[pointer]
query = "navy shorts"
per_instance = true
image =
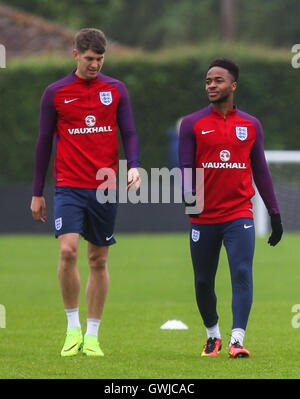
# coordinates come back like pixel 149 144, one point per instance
pixel 76 210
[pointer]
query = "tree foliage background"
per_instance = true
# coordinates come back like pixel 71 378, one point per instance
pixel 163 85
pixel 155 24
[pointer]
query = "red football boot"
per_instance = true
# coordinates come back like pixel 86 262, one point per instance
pixel 212 347
pixel 236 351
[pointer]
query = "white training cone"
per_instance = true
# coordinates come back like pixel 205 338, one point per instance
pixel 174 325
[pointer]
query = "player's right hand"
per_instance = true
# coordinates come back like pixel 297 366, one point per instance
pixel 134 179
pixel 38 209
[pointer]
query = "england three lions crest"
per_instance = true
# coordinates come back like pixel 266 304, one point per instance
pixel 195 235
pixel 241 132
pixel 58 223
pixel 105 97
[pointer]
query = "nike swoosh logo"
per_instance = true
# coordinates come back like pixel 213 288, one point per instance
pixel 67 350
pixel 108 238
pixel 69 101
pixel 207 131
pixel 247 227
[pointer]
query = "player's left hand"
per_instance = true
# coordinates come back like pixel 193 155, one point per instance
pixel 134 179
pixel 277 230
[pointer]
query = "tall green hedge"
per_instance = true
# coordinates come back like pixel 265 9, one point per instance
pixel 162 88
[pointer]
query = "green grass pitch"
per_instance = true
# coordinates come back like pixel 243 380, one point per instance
pixel 151 282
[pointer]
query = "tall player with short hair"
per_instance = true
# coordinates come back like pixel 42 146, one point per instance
pixel 81 114
pixel 228 144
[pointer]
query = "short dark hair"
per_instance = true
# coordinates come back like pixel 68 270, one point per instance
pixel 90 39
pixel 228 64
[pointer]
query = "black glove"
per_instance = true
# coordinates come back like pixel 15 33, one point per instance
pixel 277 230
pixel 190 201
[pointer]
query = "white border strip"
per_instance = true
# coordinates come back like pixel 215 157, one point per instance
pixel 283 156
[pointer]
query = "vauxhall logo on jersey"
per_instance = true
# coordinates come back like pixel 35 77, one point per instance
pixel 90 121
pixel 225 157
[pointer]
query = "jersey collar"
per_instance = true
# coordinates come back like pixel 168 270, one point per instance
pixel 231 112
pixel 87 81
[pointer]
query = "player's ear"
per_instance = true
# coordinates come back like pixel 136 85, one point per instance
pixel 234 86
pixel 75 53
